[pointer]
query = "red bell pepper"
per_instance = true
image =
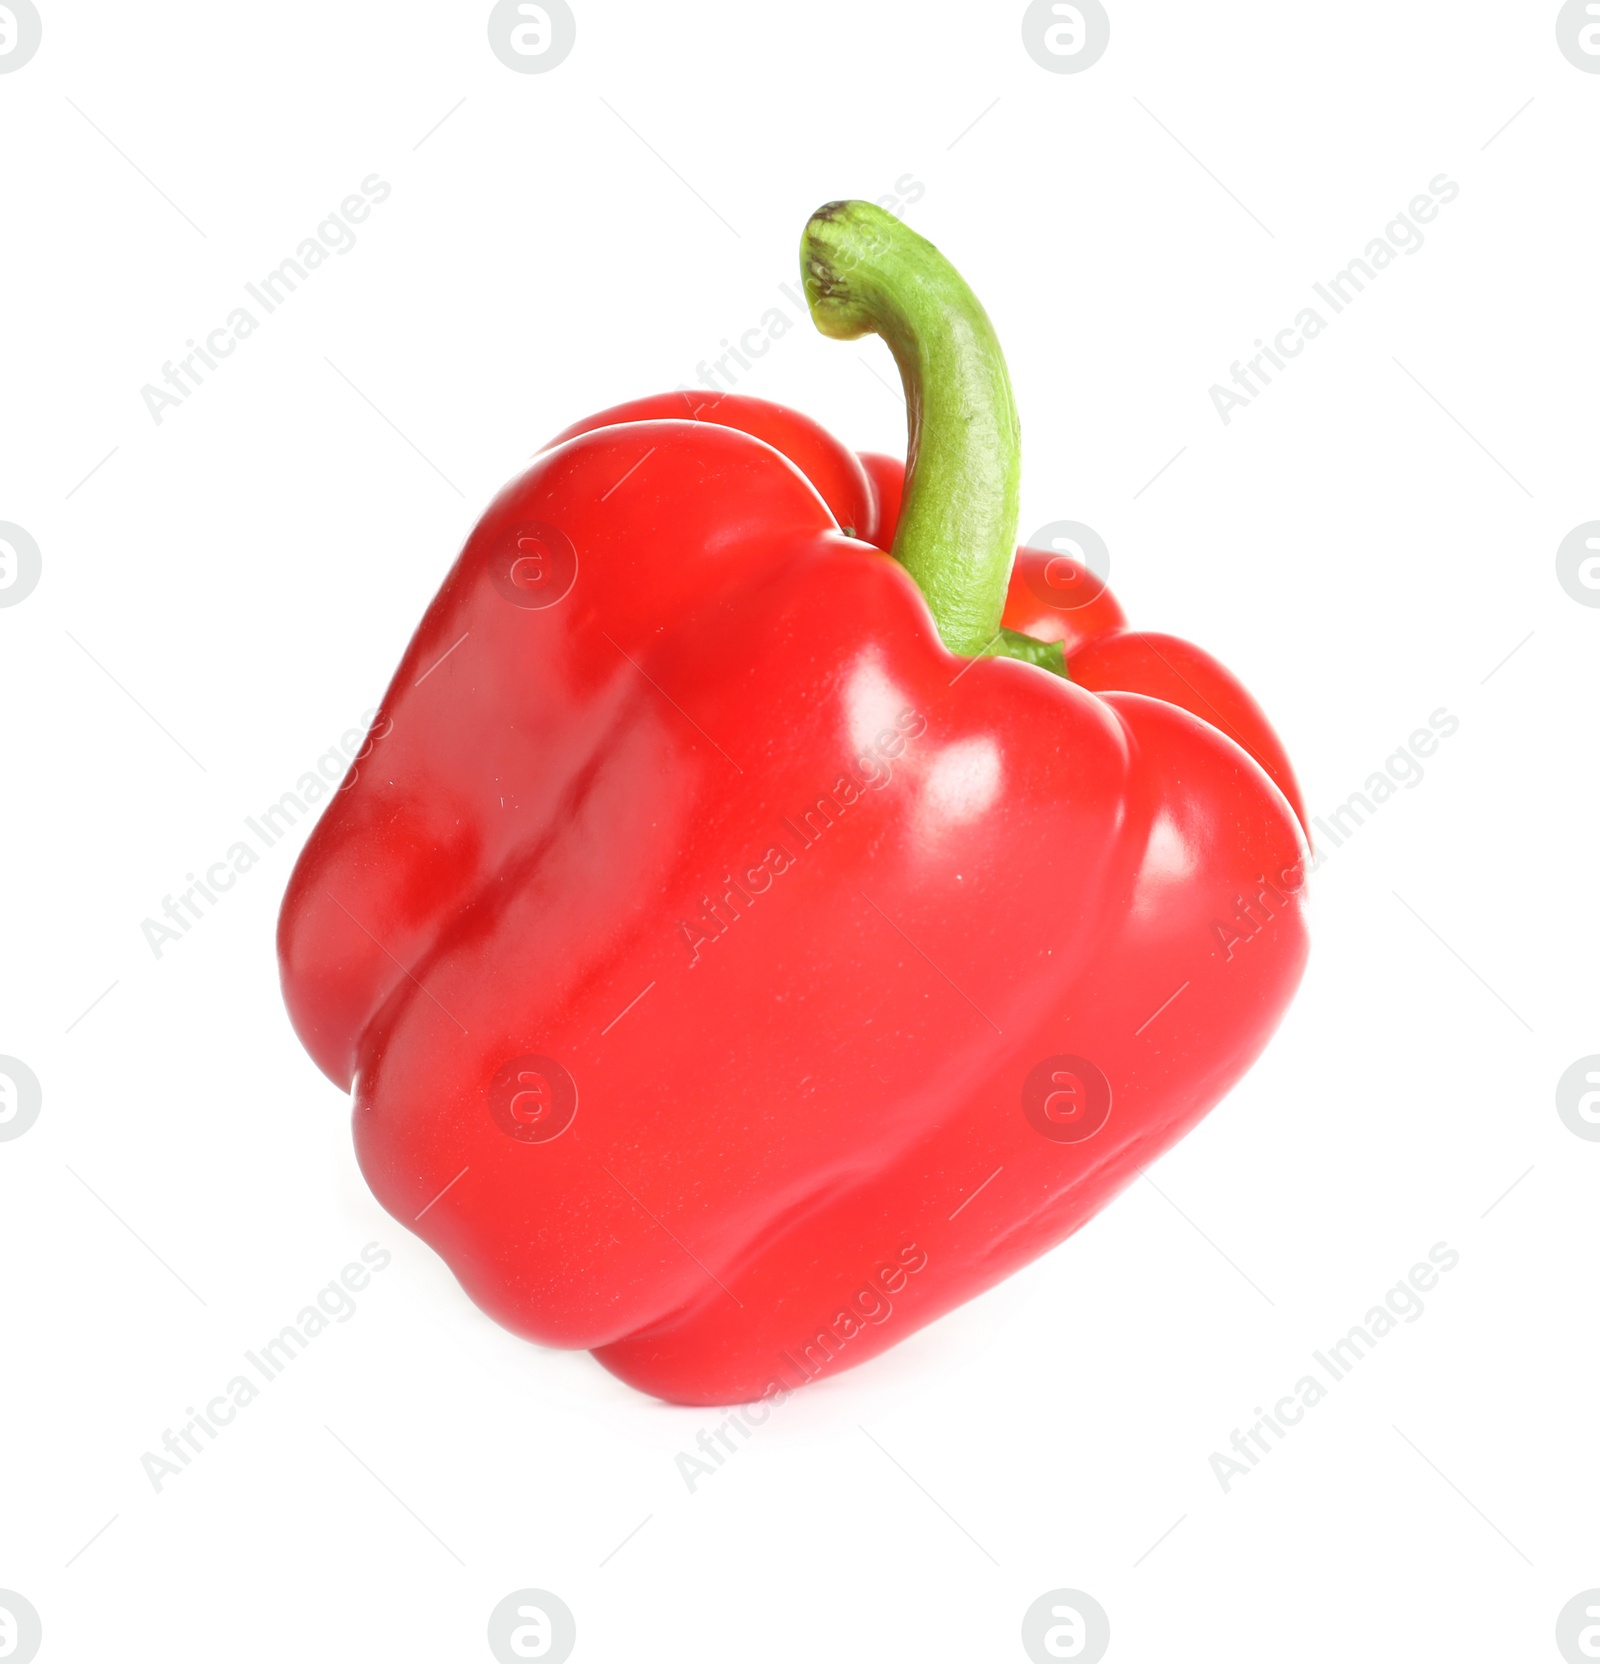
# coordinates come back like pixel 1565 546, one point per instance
pixel 760 918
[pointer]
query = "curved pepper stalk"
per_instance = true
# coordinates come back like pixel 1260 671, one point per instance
pixel 866 273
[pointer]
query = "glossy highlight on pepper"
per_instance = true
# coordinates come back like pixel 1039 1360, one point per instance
pixel 770 908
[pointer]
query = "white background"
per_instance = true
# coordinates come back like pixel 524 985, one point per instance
pixel 1365 544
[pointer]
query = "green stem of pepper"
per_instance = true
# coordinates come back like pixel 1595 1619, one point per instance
pixel 866 273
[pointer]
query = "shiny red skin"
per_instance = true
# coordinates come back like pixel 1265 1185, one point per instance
pixel 775 1123
pixel 1105 656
